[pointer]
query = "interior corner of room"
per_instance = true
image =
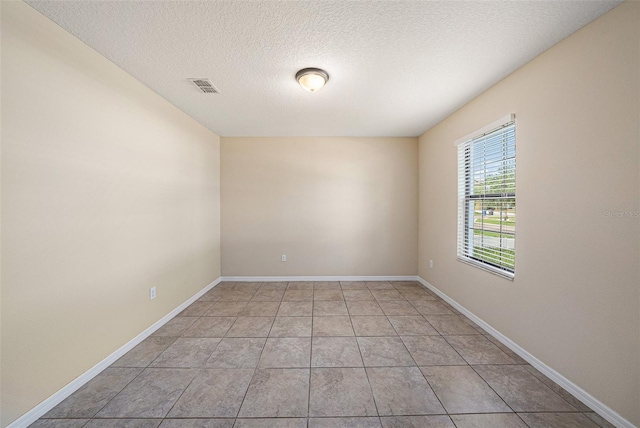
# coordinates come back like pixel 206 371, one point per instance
pixel 109 190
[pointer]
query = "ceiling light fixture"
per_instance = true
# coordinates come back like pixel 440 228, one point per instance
pixel 312 79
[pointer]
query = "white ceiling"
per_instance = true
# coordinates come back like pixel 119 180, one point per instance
pixel 397 67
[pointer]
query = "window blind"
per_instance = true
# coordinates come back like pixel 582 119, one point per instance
pixel 487 200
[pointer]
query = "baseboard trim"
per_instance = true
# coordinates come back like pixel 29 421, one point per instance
pixel 56 398
pixel 41 409
pixel 317 278
pixel 596 405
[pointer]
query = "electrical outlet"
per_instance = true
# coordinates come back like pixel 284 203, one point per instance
pixel 284 257
pixel 152 293
pixel 431 264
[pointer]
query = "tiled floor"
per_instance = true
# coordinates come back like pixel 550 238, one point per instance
pixel 350 354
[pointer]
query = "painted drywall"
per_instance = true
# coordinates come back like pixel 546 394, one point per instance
pixel 334 206
pixel 574 303
pixel 107 190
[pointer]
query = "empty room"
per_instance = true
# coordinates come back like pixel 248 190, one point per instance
pixel 320 213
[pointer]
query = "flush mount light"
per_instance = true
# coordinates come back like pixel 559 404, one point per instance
pixel 312 79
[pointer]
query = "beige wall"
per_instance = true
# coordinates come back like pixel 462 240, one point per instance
pixel 107 190
pixel 334 206
pixel 574 303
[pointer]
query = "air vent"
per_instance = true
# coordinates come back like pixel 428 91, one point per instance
pixel 205 86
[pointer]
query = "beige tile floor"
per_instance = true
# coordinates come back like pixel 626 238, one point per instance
pixel 324 354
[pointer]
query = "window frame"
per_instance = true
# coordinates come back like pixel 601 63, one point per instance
pixel 467 199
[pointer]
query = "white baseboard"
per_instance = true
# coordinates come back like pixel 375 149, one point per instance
pixel 589 400
pixel 317 278
pixel 41 409
pixel 49 403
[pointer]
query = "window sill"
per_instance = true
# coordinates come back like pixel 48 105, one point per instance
pixel 498 272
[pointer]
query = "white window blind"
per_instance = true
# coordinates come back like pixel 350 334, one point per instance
pixel 487 199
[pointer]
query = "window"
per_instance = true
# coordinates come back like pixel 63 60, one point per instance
pixel 487 197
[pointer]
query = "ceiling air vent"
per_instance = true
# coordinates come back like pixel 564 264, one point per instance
pixel 205 86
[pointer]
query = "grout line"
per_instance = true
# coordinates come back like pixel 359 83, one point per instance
pixel 368 380
pixel 310 360
pixel 424 377
pixel 183 391
pixel 252 375
pixel 434 393
pixel 489 385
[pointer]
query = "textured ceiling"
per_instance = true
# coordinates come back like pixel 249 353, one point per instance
pixel 397 67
